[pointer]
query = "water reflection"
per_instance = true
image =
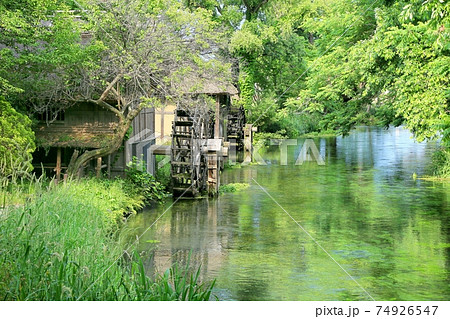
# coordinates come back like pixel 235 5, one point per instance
pixel 389 231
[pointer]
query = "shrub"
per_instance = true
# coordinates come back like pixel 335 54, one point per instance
pixel 262 139
pixel 16 142
pixel 141 182
pixel 163 174
pixel 440 163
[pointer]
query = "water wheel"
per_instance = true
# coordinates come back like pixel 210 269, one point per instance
pixel 235 127
pixel 188 161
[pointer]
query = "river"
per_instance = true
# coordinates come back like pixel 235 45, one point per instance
pixel 356 228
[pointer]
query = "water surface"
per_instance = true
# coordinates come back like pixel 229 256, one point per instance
pixel 390 232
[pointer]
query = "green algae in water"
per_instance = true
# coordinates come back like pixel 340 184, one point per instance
pixel 233 187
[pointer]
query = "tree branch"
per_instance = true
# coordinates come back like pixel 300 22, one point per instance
pixel 134 112
pixel 110 86
pixel 219 9
pixel 121 99
pixel 260 5
pixel 108 107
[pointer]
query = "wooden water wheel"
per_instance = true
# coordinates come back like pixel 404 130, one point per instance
pixel 235 127
pixel 188 159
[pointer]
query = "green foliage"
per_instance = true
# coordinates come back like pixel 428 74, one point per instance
pixel 262 139
pixel 247 88
pixel 270 51
pixel 233 187
pixel 392 63
pixel 330 65
pixel 61 246
pixel 180 284
pixel 163 174
pixel 31 45
pixel 16 142
pixel 112 197
pixel 143 183
pixel 246 42
pixel 419 83
pixel 441 163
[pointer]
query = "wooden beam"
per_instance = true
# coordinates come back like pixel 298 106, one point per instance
pixel 162 123
pixel 109 166
pixel 217 123
pixel 99 167
pixel 58 164
pixel 248 143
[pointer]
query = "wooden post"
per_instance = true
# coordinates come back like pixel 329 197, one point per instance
pixel 109 166
pixel 58 163
pixel 214 149
pixel 213 171
pixel 248 143
pixel 162 123
pixel 99 167
pixel 217 122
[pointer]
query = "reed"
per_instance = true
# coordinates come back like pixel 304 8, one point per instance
pixel 58 244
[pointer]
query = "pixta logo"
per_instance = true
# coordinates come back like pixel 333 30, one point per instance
pixel 142 146
pixel 308 152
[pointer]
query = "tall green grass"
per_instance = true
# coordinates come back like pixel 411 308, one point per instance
pixel 62 244
pixel 441 163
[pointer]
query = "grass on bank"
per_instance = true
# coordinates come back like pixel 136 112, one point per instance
pixel 440 163
pixel 233 187
pixel 58 245
pixel 262 140
pixel 324 134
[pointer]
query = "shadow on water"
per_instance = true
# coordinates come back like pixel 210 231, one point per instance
pixel 389 231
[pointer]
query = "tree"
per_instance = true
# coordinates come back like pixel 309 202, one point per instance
pixel 419 85
pixel 20 29
pixel 137 54
pixel 270 45
pixel 385 65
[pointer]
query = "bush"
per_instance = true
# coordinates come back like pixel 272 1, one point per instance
pixel 111 197
pixel 233 187
pixel 144 183
pixel 163 174
pixel 16 142
pixel 440 163
pixel 262 139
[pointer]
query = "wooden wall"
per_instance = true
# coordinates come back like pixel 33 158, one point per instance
pixel 145 120
pixel 88 115
pixel 166 115
pixel 83 124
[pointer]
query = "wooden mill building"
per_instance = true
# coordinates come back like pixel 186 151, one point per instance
pixel 87 126
pixel 222 92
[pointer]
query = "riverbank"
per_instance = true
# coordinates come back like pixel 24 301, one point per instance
pixel 440 159
pixel 63 243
